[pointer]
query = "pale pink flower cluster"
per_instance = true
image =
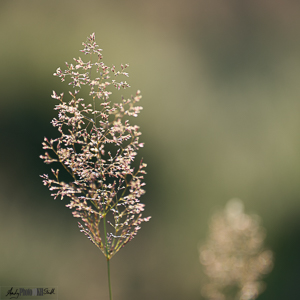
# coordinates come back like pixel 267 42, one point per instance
pixel 97 148
pixel 234 257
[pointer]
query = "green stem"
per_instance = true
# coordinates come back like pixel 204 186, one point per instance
pixel 108 275
pixel 107 258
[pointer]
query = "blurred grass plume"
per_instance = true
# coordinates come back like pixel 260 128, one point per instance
pixel 234 257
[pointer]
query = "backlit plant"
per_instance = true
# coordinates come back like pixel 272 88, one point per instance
pixel 234 256
pixel 96 151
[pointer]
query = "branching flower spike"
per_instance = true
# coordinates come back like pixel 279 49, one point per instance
pixel 234 257
pixel 96 151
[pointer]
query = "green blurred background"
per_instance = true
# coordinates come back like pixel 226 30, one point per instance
pixel 220 86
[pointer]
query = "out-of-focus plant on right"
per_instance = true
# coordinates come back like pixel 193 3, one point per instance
pixel 234 257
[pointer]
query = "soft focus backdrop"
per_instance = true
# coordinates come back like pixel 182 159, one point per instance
pixel 221 98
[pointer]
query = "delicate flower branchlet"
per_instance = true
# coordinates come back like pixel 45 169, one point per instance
pixel 233 256
pixel 97 149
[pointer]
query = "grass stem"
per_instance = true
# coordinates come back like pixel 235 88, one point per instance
pixel 107 258
pixel 108 275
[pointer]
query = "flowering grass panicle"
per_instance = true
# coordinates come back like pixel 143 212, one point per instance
pixel 96 151
pixel 234 257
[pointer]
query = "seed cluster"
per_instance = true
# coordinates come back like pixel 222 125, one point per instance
pixel 234 257
pixel 97 148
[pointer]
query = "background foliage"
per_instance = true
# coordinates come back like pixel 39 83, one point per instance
pixel 220 85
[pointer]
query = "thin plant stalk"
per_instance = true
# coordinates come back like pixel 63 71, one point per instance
pixel 107 258
pixel 108 275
